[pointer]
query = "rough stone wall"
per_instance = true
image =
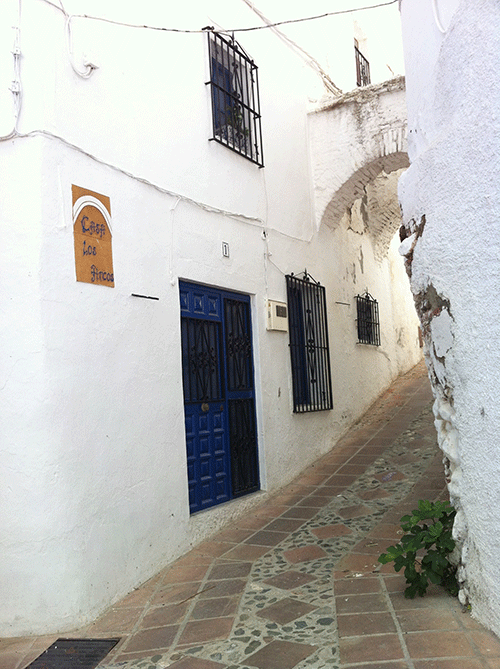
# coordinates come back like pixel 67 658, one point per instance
pixel 451 209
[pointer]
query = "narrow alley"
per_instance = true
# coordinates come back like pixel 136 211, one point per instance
pixel 296 583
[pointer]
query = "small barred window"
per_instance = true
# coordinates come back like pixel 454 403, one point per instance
pixel 362 67
pixel 235 98
pixel 368 320
pixel 309 348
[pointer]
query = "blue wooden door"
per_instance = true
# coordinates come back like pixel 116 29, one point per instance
pixel 219 395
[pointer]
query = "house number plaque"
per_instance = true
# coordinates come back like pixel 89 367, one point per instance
pixel 92 236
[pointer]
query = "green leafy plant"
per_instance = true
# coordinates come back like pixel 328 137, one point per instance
pixel 425 548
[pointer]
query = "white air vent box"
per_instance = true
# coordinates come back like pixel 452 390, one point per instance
pixel 277 316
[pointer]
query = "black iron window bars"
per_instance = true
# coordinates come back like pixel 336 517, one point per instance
pixel 235 98
pixel 309 347
pixel 362 67
pixel 368 320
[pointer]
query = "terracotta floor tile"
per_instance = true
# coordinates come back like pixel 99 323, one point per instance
pixel 361 563
pixel 246 552
pixel 395 582
pixel 136 655
pixel 280 655
pixel 357 624
pixel 223 588
pixel 419 620
pixel 371 546
pixel 304 554
pixel 493 663
pixel 201 631
pixel 332 490
pixel 285 610
pixel 456 663
pixel 234 535
pixel 351 469
pixel 438 644
pixel 266 538
pixel 486 643
pixel 152 639
pixel 16 645
pixel 271 511
pixel 173 594
pixel 10 660
pixel 192 558
pixel 467 621
pixel 362 459
pixel 436 597
pixel 357 586
pixel 289 580
pixel 185 574
pixel 341 480
pixel 383 665
pixel 312 479
pixel 116 620
pixel 43 642
pixel 366 603
pixel 370 648
pixel 285 524
pixel 228 569
pixel 300 512
pixel 330 531
pixel 355 511
pixel 376 449
pixel 213 548
pixel 136 598
pixel 389 531
pixel 161 616
pixel 252 522
pixel 317 501
pixel 222 607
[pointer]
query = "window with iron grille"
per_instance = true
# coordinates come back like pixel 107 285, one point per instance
pixel 368 320
pixel 362 67
pixel 309 348
pixel 235 98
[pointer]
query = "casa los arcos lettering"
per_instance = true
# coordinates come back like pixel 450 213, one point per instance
pixel 93 238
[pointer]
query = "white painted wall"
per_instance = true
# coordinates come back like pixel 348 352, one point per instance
pixel 93 473
pixel 451 211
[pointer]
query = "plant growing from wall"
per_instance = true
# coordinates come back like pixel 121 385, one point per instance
pixel 424 550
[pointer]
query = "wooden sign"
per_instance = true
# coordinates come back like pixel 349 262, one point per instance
pixel 92 235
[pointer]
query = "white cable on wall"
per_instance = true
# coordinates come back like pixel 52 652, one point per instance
pixel 436 17
pixel 16 87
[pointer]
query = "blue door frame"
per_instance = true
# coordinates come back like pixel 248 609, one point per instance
pixel 219 395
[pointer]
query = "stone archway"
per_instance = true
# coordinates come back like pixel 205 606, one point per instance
pixel 358 151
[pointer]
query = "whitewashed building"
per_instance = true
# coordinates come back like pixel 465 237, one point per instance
pixel 450 201
pixel 168 357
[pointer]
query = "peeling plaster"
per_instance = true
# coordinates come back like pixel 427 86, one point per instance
pixel 437 325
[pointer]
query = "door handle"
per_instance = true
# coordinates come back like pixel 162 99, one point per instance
pixel 205 407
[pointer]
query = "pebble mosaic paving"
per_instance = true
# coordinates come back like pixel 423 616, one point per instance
pixel 302 589
pixel 303 612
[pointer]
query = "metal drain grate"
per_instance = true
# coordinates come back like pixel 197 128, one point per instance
pixel 74 654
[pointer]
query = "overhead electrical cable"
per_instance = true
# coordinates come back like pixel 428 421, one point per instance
pixel 233 30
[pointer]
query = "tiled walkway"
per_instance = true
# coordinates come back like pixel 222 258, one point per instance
pixel 296 583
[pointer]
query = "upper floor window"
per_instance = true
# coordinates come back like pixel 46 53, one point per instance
pixel 368 320
pixel 235 98
pixel 362 66
pixel 309 348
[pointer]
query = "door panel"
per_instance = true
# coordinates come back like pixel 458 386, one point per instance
pixel 219 398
